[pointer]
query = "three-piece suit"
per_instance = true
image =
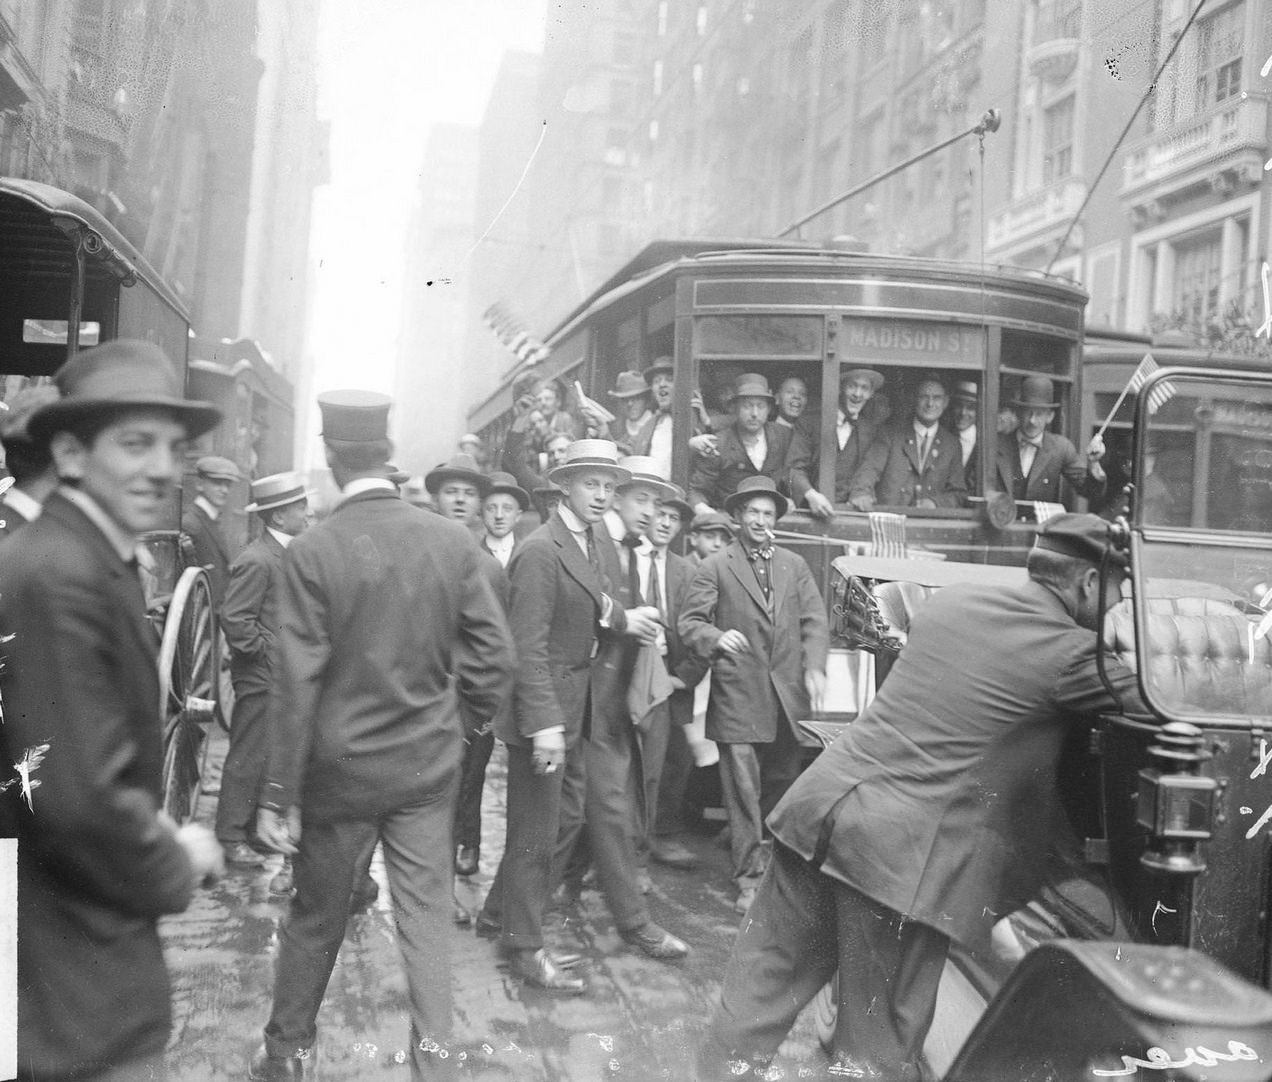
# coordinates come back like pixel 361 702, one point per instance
pixel 894 473
pixel 95 867
pixel 1059 471
pixel 386 623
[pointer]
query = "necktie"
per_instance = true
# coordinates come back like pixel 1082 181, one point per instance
pixel 631 542
pixel 924 446
pixel 592 557
pixel 655 590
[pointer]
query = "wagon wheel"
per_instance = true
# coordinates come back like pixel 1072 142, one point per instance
pixel 188 688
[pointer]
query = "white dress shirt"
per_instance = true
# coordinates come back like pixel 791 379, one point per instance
pixel 660 442
pixel 283 539
pixel 757 452
pixel 213 513
pixel 501 547
pixel 968 440
pixel 843 429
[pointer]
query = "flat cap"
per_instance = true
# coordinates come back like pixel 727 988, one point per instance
pixel 218 468
pixel 711 520
pixel 1084 537
pixel 355 416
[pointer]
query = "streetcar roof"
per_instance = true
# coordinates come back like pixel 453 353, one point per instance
pixel 32 247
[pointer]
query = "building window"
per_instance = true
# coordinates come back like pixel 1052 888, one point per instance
pixel 1220 46
pixel 1057 141
pixel 1198 262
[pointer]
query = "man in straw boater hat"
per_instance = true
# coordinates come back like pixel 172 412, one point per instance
pixel 752 446
pixel 569 624
pixel 214 476
pixel 250 623
pixel 755 613
pixel 1034 463
pixel 935 814
pixel 98 862
pixel 386 622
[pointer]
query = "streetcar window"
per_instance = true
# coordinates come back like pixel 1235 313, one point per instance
pixel 1035 353
pixel 53 332
pixel 758 336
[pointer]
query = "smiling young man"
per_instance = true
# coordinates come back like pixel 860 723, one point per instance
pixel 98 862
pixel 754 613
pixel 853 436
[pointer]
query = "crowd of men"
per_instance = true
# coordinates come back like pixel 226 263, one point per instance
pixel 925 456
pixel 377 655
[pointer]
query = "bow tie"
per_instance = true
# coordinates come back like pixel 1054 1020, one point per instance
pixel 631 541
pixel 765 553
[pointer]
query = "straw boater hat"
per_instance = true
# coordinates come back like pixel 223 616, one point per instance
pixel 629 385
pixel 354 416
pixel 1036 392
pixel 277 490
pixel 644 471
pixel 460 468
pixel 756 486
pixel 506 483
pixel 216 468
pixel 120 375
pixel 875 378
pixel 589 455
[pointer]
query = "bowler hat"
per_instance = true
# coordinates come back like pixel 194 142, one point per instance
pixel 711 520
pixel 1085 537
pixel 506 483
pixel 589 455
pixel 759 485
pixel 875 378
pixel 354 416
pixel 751 385
pixel 629 385
pixel 966 391
pixel 1036 392
pixel 460 468
pixel 19 409
pixel 277 490
pixel 661 364
pixel 645 471
pixel 123 374
pixel 217 468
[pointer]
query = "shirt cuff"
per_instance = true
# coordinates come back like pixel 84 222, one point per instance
pixel 549 729
pixel 607 610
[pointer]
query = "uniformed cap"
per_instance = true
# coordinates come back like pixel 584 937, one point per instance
pixel 750 487
pixel 277 490
pixel 1084 537
pixel 645 470
pixel 505 483
pixel 460 468
pixel 217 468
pixel 20 408
pixel 120 375
pixel 711 520
pixel 354 416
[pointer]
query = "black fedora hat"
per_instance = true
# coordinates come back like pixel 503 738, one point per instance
pixel 760 485
pixel 122 374
pixel 507 484
pixel 460 468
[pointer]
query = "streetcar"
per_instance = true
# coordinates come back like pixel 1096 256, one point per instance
pixel 70 280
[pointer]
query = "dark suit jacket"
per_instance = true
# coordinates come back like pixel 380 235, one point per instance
pixel 11 519
pixel 713 477
pixel 682 661
pixel 386 618
pixel 848 460
pixel 750 690
pixel 96 869
pixel 1057 460
pixel 249 613
pixel 554 609
pixel 940 800
pixel 210 548
pixel 891 471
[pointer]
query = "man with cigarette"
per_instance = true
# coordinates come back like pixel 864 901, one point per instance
pixel 755 613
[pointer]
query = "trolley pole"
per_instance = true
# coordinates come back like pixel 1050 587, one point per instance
pixel 987 123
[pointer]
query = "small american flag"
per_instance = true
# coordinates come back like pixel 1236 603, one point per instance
pixel 1161 394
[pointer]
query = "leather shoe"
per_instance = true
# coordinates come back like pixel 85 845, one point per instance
pixel 539 970
pixel 487 928
pixel 364 895
pixel 656 942
pixel 466 860
pixel 242 855
pixel 672 854
pixel 263 1067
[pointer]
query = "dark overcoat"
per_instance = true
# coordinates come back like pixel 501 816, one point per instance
pixel 210 548
pixel 554 608
pixel 250 612
pixel 682 660
pixel 940 800
pixel 749 691
pixel 892 475
pixel 95 868
pixel 1058 471
pixel 386 622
